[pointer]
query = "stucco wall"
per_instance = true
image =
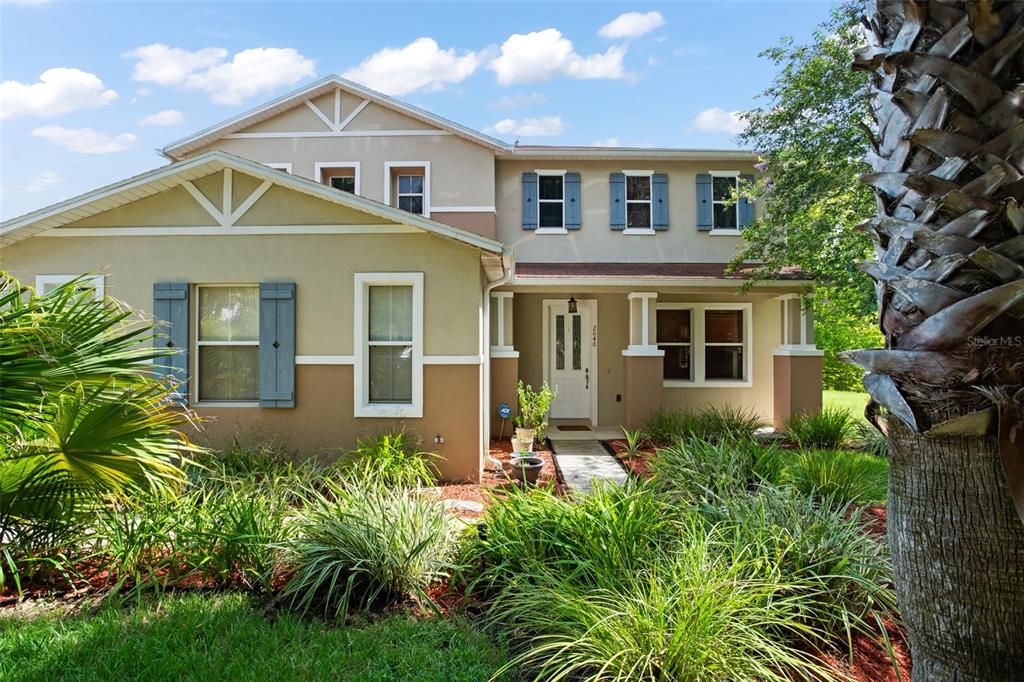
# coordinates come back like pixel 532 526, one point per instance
pixel 613 337
pixel 461 172
pixel 596 241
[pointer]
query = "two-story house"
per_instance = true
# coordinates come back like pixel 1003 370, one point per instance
pixel 336 262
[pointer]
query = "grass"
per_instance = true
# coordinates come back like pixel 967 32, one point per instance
pixel 829 428
pixel 224 636
pixel 853 402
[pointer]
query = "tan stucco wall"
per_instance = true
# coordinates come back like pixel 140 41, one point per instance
pixel 595 241
pixel 642 391
pixel 323 267
pixel 797 386
pixel 175 207
pixel 461 172
pixel 504 380
pixel 613 337
pixel 321 423
pixel 481 223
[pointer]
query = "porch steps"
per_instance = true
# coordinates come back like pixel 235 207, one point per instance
pixel 584 461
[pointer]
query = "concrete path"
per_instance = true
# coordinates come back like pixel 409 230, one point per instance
pixel 583 461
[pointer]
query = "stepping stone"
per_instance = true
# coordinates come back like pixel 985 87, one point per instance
pixel 464 505
pixel 584 461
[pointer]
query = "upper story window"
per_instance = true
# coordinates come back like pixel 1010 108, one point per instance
pixel 228 343
pixel 407 186
pixel 724 208
pixel 410 193
pixel 638 202
pixel 343 175
pixel 551 201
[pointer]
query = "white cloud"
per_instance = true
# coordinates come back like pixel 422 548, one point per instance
pixel 541 55
pixel 420 65
pixel 529 127
pixel 247 73
pixel 40 182
pixel 518 101
pixel 58 91
pixel 608 142
pixel 631 25
pixel 167 117
pixel 86 140
pixel 718 120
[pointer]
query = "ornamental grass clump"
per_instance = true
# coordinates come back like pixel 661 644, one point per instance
pixel 667 426
pixel 362 546
pixel 695 469
pixel 685 614
pixel 390 459
pixel 836 476
pixel 828 429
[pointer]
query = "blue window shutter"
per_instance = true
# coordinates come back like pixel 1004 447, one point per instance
pixel 530 201
pixel 170 314
pixel 617 201
pixel 745 210
pixel 705 204
pixel 659 201
pixel 277 344
pixel 572 201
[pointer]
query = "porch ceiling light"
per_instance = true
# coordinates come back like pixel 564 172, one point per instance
pixel 572 304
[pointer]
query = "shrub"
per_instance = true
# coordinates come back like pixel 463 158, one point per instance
pixel 636 440
pixel 135 540
pixel 614 529
pixel 687 615
pixel 667 426
pixel 695 469
pixel 364 546
pixel 837 477
pixel 533 407
pixel 871 440
pixel 826 429
pixel 389 459
pixel 842 573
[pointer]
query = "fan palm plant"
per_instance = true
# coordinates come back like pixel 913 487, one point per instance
pixel 947 389
pixel 81 416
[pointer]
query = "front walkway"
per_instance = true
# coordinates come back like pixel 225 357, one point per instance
pixel 584 461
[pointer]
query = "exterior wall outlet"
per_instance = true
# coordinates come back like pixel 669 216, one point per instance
pixel 438 439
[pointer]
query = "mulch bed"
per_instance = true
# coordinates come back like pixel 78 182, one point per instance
pixel 634 465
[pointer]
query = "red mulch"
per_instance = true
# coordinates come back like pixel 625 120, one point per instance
pixel 871 660
pixel 875 517
pixel 636 465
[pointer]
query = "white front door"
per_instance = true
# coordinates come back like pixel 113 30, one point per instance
pixel 570 346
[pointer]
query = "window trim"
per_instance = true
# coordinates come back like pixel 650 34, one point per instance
pixel 96 280
pixel 553 173
pixel 198 343
pixel 425 165
pixel 724 231
pixel 282 165
pixel 649 230
pixel 698 344
pixel 320 166
pixel 361 325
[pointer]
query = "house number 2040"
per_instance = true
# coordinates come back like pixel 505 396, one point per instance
pixel 593 336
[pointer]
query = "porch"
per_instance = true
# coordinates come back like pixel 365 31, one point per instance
pixel 618 348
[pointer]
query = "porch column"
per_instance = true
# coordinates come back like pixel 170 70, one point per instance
pixel 641 361
pixel 797 363
pixel 504 362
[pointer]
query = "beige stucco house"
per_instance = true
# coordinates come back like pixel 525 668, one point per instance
pixel 336 262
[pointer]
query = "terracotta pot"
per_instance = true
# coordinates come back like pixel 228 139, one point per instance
pixel 526 468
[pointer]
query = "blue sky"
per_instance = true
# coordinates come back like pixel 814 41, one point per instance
pixel 131 77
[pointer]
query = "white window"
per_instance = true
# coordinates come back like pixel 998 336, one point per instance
pixel 638 202
pixel 723 187
pixel 407 186
pixel 705 344
pixel 551 201
pixel 343 175
pixel 47 283
pixel 389 345
pixel 227 343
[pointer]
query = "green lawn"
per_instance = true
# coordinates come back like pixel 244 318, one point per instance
pixel 206 637
pixel 851 401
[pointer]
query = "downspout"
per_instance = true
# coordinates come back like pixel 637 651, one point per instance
pixel 508 270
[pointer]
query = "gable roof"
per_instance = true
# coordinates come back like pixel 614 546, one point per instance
pixel 169 176
pixel 179 148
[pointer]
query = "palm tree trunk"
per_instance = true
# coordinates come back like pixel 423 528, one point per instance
pixel 958 554
pixel 948 177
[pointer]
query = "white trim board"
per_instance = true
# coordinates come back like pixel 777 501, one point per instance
pixel 214 230
pixel 698 344
pixel 463 209
pixel 320 166
pixel 340 133
pixel 425 165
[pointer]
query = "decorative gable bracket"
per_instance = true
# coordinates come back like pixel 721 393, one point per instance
pixel 227 215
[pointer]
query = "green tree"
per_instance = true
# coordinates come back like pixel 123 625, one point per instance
pixel 812 131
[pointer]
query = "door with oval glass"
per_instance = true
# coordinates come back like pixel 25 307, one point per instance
pixel 570 349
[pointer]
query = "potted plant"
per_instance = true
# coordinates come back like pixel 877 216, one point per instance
pixel 526 467
pixel 533 409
